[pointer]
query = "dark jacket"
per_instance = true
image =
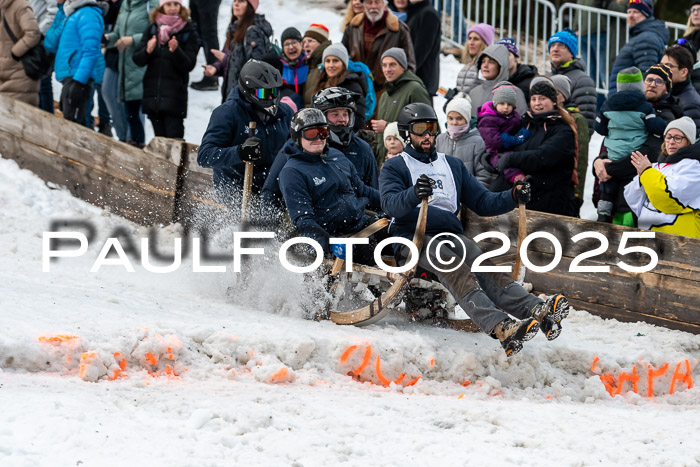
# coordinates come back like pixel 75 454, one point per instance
pixel 358 152
pixel 424 22
pixel 400 201
pixel 323 194
pixel 644 49
pixel 394 34
pixel 167 75
pixel 522 77
pixel 548 157
pixel 492 123
pixel 228 129
pixel 404 90
pixel 689 100
pixel 237 54
pixel 583 93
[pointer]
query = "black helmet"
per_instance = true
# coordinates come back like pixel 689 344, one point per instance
pixel 413 113
pixel 259 83
pixel 336 97
pixel 305 119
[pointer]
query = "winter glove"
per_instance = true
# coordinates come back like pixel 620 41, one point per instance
pixel 520 137
pixel 522 195
pixel 339 250
pixel 250 150
pixel 77 92
pixel 504 161
pixel 424 187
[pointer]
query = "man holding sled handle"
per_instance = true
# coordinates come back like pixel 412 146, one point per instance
pixel 487 297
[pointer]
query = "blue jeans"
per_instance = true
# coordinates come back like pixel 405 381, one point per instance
pixel 116 109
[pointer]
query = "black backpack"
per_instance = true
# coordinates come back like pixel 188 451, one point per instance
pixel 37 61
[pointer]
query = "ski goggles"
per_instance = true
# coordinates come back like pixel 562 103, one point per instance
pixel 421 128
pixel 319 132
pixel 266 94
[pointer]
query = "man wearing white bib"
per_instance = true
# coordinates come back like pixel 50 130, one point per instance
pixel 487 297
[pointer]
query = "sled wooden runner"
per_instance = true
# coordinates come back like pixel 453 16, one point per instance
pixel 366 232
pixel 376 310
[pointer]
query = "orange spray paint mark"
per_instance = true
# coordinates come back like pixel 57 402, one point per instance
pixel 85 361
pixel 466 383
pixel 344 357
pixel 609 382
pixel 280 376
pixel 151 359
pixel 365 361
pixel 413 381
pixel 432 362
pixel 461 396
pixel 56 339
pixel 624 377
pixel 382 378
pixel 686 377
pixel 651 374
pixel 594 367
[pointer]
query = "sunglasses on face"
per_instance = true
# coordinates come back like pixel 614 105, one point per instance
pixel 266 94
pixel 421 128
pixel 320 132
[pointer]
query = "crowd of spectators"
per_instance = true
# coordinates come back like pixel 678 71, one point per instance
pixel 506 121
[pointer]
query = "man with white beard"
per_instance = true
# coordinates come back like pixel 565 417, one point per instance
pixel 373 32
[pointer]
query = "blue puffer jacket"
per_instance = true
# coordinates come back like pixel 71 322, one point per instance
pixel 228 129
pixel 400 201
pixel 324 195
pixel 75 37
pixel 644 49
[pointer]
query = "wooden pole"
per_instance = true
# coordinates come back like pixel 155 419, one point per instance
pixel 519 269
pixel 247 182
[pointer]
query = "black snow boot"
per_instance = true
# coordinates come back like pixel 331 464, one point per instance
pixel 550 314
pixel 513 333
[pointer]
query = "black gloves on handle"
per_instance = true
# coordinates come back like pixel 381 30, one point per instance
pixel 250 150
pixel 523 194
pixel 424 187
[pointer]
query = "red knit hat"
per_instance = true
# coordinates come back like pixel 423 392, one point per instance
pixel 254 4
pixel 318 32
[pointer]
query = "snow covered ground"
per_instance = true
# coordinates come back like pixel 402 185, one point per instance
pixel 115 368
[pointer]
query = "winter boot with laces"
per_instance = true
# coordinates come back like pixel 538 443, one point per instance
pixel 513 333
pixel 550 313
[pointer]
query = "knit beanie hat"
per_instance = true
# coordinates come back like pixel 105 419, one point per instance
pixel 662 71
pixel 291 33
pixel 630 79
pixel 254 4
pixel 318 32
pixel 392 129
pixel 543 86
pixel 686 125
pixel 163 2
pixel 504 91
pixel 646 7
pixel 337 50
pixel 485 31
pixel 566 37
pixel 509 42
pixel 694 2
pixel 462 106
pixel 397 54
pixel 563 85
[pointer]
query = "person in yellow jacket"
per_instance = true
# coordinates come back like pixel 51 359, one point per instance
pixel 665 196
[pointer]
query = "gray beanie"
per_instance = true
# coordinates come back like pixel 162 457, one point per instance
pixel 630 79
pixel 337 50
pixel 397 54
pixel 563 85
pixel 684 125
pixel 504 91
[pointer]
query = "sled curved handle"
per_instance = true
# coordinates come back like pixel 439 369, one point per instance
pixel 366 232
pixel 419 233
pixel 247 182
